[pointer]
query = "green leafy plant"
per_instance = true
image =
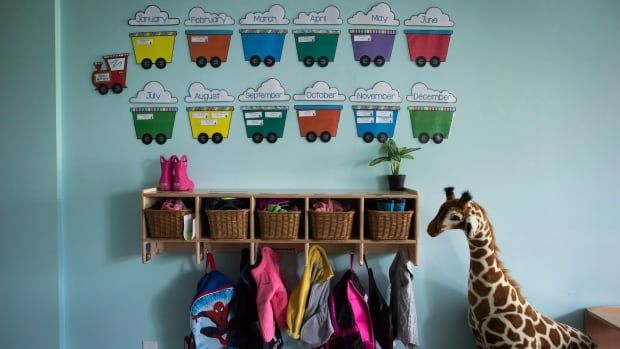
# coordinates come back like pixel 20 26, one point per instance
pixel 394 155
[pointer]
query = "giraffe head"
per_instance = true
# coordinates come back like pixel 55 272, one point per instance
pixel 459 213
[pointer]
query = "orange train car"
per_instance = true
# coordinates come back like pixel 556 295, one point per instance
pixel 208 46
pixel 318 121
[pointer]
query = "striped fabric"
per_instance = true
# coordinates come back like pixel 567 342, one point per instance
pixel 376 107
pixel 153 34
pixel 372 31
pixel 152 109
pixel 263 31
pixel 431 108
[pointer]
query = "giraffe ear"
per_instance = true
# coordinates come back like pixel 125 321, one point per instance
pixel 449 193
pixel 465 198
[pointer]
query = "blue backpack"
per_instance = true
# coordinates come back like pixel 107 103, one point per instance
pixel 209 312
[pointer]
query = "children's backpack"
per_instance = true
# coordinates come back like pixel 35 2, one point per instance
pixel 209 312
pixel 380 312
pixel 350 315
pixel 244 322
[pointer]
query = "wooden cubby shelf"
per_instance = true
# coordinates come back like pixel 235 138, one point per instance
pixel 359 242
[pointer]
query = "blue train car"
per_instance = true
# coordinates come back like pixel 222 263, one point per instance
pixel 375 121
pixel 262 45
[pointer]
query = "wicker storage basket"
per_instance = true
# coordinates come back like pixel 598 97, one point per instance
pixel 331 225
pixel 165 224
pixel 228 224
pixel 385 225
pixel 279 225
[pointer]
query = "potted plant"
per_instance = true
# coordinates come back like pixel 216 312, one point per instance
pixel 394 155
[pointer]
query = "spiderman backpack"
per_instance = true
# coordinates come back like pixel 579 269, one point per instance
pixel 209 312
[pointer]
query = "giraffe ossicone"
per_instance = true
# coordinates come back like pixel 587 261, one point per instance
pixel 499 316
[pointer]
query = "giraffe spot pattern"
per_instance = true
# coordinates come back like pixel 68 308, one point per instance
pixel 482 310
pixel 515 320
pixel 497 325
pixel 541 327
pixel 500 296
pixel 491 338
pixel 480 288
pixel 528 329
pixel 554 336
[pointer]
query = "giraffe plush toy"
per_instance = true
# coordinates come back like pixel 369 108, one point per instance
pixel 499 316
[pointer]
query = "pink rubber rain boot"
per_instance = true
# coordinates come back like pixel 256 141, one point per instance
pixel 181 181
pixel 165 180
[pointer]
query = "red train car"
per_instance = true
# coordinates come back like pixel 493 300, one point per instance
pixel 428 46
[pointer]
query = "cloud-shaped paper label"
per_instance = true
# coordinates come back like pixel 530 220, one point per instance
pixel 198 93
pixel 330 15
pixel 381 92
pixel 198 16
pixel 421 93
pixel 153 15
pixel 380 14
pixel 320 91
pixel 270 90
pixel 153 93
pixel 433 17
pixel 276 15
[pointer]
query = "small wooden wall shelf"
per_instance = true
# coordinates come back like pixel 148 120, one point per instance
pixel 359 242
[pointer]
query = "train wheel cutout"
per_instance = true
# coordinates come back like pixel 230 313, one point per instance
pixel 201 61
pixel 365 61
pixel 203 138
pixel 215 62
pixel 368 137
pixel 160 63
pixel 308 61
pixel 325 136
pixel 379 61
pixel 323 61
pixel 435 62
pixel 382 137
pixel 160 138
pixel 117 88
pixel 271 137
pixel 437 138
pixel 423 137
pixel 147 139
pixel 217 138
pixel 311 137
pixel 420 61
pixel 146 63
pixel 269 61
pixel 257 138
pixel 103 89
pixel 254 61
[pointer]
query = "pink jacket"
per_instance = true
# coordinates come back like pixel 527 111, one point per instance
pixel 271 297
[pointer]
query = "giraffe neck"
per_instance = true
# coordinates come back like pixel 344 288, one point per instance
pixel 490 286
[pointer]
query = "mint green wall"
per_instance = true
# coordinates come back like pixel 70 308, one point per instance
pixel 29 237
pixel 534 139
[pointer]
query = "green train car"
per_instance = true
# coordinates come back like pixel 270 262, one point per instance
pixel 427 122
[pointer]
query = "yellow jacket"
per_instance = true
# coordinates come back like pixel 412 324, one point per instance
pixel 317 260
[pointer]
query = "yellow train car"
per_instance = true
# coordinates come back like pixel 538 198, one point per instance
pixel 210 122
pixel 153 47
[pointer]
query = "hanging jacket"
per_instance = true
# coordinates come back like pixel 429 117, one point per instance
pixel 271 296
pixel 349 313
pixel 380 312
pixel 308 307
pixel 402 300
pixel 244 324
